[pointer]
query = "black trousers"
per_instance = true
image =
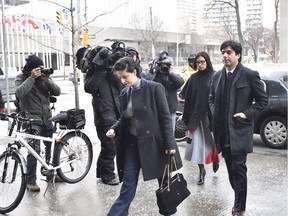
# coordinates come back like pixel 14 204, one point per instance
pixel 105 163
pixel 237 171
pixel 42 130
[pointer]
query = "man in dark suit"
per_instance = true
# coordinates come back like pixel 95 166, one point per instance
pixel 236 95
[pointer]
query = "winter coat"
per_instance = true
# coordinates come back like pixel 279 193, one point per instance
pixel 187 73
pixel 196 93
pixel 34 96
pixel 247 95
pixel 105 86
pixel 153 126
pixel 171 82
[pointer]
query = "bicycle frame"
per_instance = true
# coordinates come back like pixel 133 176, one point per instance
pixel 20 137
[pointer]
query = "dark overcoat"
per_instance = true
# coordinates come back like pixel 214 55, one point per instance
pixel 195 93
pixel 247 95
pixel 105 86
pixel 153 126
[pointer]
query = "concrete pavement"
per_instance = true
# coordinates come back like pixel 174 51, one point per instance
pixel 267 183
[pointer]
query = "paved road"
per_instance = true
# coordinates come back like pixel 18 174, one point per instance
pixel 267 183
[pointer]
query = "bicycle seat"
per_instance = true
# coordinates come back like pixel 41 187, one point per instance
pixel 58 117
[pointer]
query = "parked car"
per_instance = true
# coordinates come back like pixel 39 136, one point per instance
pixel 271 123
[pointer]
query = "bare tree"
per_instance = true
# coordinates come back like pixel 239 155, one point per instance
pixel 148 33
pixel 254 39
pixel 268 46
pixel 234 4
pixel 74 31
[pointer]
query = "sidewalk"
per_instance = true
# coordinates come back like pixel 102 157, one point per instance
pixel 267 183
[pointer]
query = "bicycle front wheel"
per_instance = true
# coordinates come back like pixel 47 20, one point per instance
pixel 73 155
pixel 12 182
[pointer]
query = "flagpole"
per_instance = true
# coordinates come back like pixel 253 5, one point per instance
pixel 13 45
pixel 36 44
pixel 22 41
pixel 27 34
pixel 57 46
pixel 8 47
pixel 49 49
pixel 4 35
pixel 18 44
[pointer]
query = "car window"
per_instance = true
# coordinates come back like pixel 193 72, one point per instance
pixel 276 89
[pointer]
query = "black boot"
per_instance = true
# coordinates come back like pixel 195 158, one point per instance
pixel 201 178
pixel 215 166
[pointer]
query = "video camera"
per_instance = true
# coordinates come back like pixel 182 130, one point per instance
pixel 46 71
pixel 163 63
pixel 99 56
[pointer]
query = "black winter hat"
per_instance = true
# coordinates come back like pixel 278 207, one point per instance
pixel 32 62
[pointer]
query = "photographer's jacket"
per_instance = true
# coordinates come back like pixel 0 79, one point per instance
pixel 34 95
pixel 105 86
pixel 171 82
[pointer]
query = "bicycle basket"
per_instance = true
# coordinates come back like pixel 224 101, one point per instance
pixel 75 119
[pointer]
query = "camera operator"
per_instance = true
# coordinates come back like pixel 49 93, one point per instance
pixel 171 81
pixel 104 85
pixel 34 87
pixel 132 52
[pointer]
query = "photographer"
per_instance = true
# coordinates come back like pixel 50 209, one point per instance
pixel 34 87
pixel 171 81
pixel 104 85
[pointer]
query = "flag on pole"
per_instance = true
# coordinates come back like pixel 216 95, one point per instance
pixel 23 25
pixel 7 21
pixel 35 26
pixel 46 26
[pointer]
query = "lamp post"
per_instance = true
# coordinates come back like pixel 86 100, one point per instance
pixel 187 40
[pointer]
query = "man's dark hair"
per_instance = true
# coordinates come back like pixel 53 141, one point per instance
pixel 235 46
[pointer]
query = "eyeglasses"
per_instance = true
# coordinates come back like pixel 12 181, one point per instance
pixel 200 62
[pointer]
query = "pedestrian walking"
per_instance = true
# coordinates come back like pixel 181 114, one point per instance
pixel 104 85
pixel 236 96
pixel 144 134
pixel 200 146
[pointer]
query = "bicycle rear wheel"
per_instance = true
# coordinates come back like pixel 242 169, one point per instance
pixel 74 155
pixel 12 185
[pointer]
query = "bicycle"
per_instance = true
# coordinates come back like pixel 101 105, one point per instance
pixel 72 157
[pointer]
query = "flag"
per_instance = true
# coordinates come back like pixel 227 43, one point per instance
pixel 7 21
pixel 46 26
pixel 35 26
pixel 23 25
pixel 14 19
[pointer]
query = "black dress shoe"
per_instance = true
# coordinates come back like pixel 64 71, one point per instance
pixel 238 214
pixel 215 166
pixel 201 178
pixel 113 181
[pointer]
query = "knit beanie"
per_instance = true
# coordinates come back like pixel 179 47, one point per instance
pixel 33 62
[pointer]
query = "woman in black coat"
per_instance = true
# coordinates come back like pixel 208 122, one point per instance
pixel 200 143
pixel 144 133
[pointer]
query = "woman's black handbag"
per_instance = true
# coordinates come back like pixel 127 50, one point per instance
pixel 173 190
